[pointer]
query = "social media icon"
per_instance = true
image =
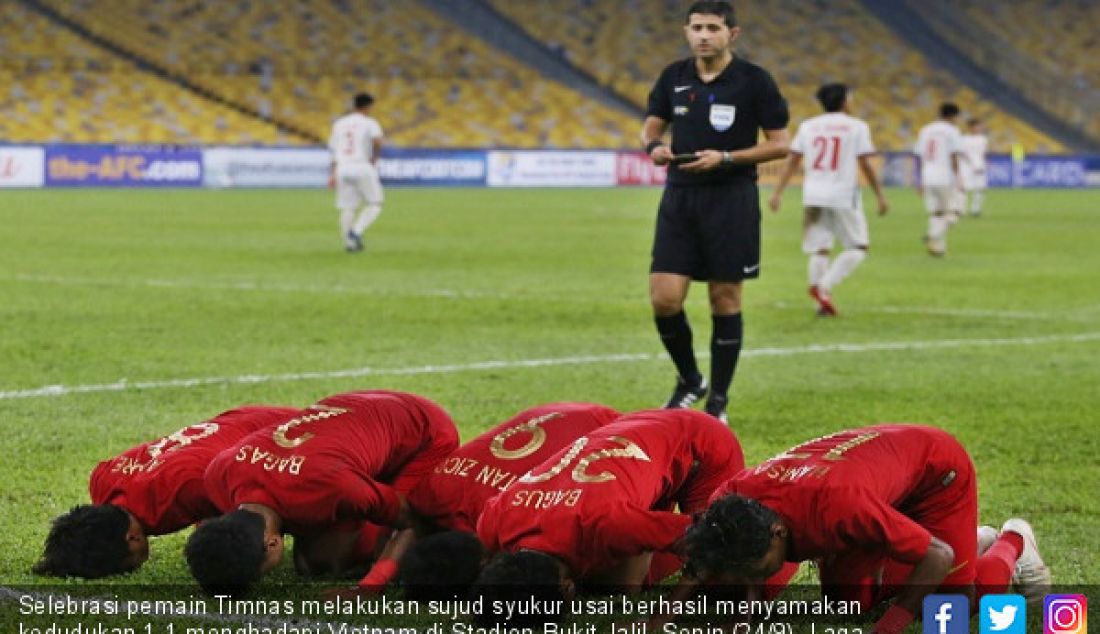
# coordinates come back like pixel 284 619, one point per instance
pixel 946 614
pixel 1002 614
pixel 1065 614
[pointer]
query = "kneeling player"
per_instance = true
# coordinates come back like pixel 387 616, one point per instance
pixel 600 512
pixel 896 503
pixel 152 489
pixel 350 458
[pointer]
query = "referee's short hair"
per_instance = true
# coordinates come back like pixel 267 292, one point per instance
pixel 948 110
pixel 832 96
pixel 363 99
pixel 720 8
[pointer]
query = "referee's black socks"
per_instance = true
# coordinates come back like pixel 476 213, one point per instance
pixel 725 349
pixel 676 335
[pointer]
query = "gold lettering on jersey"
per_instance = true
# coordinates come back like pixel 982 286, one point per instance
pixel 495 477
pixel 837 453
pixel 538 437
pixel 456 466
pixel 628 450
pixel 160 449
pixel 270 461
pixel 784 473
pixel 547 499
pixel 322 413
pixel 574 451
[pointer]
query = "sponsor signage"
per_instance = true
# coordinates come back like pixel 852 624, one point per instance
pixel 266 167
pixel 636 168
pixel 122 166
pixel 552 169
pixel 22 167
pixel 432 167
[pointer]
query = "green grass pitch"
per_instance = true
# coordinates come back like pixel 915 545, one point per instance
pixel 150 310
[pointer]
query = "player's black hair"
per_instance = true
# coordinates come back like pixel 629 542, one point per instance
pixel 948 110
pixel 225 554
pixel 363 99
pixel 521 576
pixel 973 121
pixel 89 541
pixel 440 567
pixel 832 96
pixel 732 532
pixel 720 8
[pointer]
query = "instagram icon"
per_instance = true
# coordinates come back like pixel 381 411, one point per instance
pixel 1065 614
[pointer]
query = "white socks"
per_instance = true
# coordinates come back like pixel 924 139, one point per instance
pixel 977 197
pixel 937 233
pixel 817 267
pixel 347 216
pixel 841 268
pixel 367 217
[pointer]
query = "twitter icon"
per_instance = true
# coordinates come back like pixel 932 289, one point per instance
pixel 1002 614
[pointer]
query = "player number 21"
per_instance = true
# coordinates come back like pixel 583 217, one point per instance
pixel 828 151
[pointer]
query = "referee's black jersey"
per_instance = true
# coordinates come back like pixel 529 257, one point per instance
pixel 725 114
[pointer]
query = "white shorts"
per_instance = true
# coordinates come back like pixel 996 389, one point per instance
pixel 357 185
pixel 974 180
pixel 943 198
pixel 822 224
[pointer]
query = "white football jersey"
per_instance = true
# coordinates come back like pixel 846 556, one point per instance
pixel 352 139
pixel 831 145
pixel 974 147
pixel 936 143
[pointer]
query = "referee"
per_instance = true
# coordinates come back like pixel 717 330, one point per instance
pixel 708 223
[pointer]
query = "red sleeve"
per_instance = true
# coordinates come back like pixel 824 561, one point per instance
pixel 861 522
pixel 719 458
pixel 364 498
pixel 630 531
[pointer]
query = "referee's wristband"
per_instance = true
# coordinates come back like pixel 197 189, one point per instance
pixel 652 145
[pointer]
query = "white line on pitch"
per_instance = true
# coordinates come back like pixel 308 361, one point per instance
pixel 123 385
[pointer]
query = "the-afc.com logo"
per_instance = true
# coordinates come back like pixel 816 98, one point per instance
pixel 1065 614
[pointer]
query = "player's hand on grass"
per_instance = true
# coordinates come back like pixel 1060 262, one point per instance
pixel 661 155
pixel 708 160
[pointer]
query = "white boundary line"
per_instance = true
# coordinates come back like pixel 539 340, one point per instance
pixel 125 385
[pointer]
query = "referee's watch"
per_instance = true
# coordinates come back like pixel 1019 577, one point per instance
pixel 726 158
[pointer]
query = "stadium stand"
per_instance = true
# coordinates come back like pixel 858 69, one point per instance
pixel 1057 41
pixel 624 44
pixel 60 88
pixel 301 61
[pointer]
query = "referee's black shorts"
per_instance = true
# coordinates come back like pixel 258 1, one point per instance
pixel 709 232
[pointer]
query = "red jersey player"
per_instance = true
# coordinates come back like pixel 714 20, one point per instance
pixel 349 458
pixel 452 496
pixel 597 511
pixel 893 502
pixel 152 489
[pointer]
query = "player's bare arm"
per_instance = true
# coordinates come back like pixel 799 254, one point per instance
pixel 927 574
pixel 793 164
pixel 869 174
pixel 653 130
pixel 376 151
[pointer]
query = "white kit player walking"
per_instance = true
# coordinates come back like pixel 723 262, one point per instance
pixel 938 152
pixel 832 146
pixel 974 178
pixel 355 143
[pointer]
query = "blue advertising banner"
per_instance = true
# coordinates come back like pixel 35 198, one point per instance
pixel 122 166
pixel 1035 171
pixel 406 166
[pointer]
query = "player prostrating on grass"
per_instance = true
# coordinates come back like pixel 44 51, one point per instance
pixel 938 152
pixel 708 222
pixel 152 489
pixel 975 180
pixel 355 144
pixel 350 458
pixel 599 513
pixel 885 510
pixel 835 145
pixel 446 556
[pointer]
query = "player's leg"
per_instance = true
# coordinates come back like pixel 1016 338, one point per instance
pixel 348 199
pixel 676 259
pixel 935 201
pixel 850 227
pixel 817 243
pixel 956 204
pixel 853 576
pixel 977 199
pixel 371 188
pixel 725 343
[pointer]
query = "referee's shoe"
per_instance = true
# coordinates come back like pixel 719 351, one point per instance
pixel 685 394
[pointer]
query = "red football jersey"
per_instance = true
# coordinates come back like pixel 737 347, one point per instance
pixel 453 495
pixel 345 458
pixel 609 494
pixel 161 482
pixel 851 490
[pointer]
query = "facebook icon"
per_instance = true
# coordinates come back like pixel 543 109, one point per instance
pixel 946 614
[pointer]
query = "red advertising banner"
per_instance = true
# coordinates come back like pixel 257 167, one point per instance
pixel 636 168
